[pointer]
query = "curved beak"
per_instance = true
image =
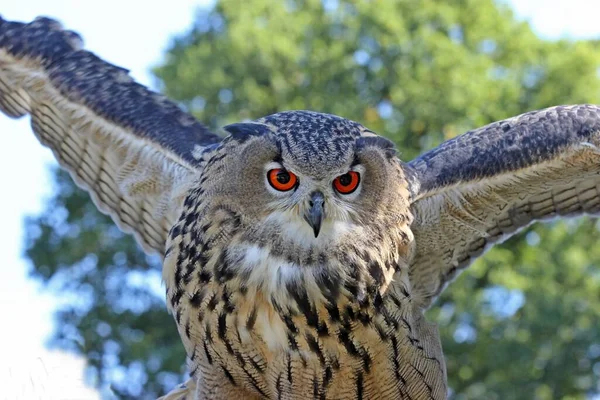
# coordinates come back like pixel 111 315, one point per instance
pixel 314 214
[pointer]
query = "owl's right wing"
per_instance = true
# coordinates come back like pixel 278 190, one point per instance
pixel 482 187
pixel 133 150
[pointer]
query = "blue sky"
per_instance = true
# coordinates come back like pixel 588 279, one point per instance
pixel 132 34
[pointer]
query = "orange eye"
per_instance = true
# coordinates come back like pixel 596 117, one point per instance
pixel 281 179
pixel 347 183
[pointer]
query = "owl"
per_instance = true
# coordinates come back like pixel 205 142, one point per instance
pixel 300 252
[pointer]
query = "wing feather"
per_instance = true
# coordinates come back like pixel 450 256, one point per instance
pixel 133 150
pixel 486 185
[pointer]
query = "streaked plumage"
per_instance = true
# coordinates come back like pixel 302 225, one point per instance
pixel 307 292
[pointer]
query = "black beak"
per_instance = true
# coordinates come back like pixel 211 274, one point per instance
pixel 314 215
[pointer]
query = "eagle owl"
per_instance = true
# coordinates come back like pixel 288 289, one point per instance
pixel 300 252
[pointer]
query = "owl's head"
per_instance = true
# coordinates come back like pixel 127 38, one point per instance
pixel 307 179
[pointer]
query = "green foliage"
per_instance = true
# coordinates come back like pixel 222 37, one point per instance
pixel 523 322
pixel 520 324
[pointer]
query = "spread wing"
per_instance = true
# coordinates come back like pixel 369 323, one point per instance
pixel 133 150
pixel 482 187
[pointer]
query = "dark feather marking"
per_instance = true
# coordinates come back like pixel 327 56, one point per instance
pixel 349 314
pixel 175 231
pixel 208 334
pixel 304 304
pixel 333 311
pixel 404 291
pixel 327 376
pixel 214 159
pixel 396 361
pixel 228 306
pixel 292 341
pixel 278 387
pixel 204 276
pixel 313 345
pixel 230 348
pixel 251 319
pixel 222 326
pixel 322 329
pixel 377 301
pixel 190 219
pixel 194 370
pixel 257 366
pixel 223 272
pixel 176 297
pixel 366 359
pixel 212 303
pixel 364 318
pixel 289 368
pixel 190 199
pixel 208 356
pixel 335 363
pixel 315 385
pixel 239 357
pixel 181 260
pixel 395 300
pixel 359 386
pixel 289 323
pixel 187 328
pixel 228 375
pixel 344 339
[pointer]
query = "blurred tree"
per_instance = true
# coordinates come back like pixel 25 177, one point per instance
pixel 522 323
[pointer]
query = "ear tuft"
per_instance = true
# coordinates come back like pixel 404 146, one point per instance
pixel 245 130
pixel 384 144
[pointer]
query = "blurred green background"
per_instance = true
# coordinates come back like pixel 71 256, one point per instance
pixel 522 323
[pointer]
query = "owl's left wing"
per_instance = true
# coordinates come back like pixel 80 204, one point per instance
pixel 480 188
pixel 133 150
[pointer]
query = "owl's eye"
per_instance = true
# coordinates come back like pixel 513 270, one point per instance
pixel 281 179
pixel 347 183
